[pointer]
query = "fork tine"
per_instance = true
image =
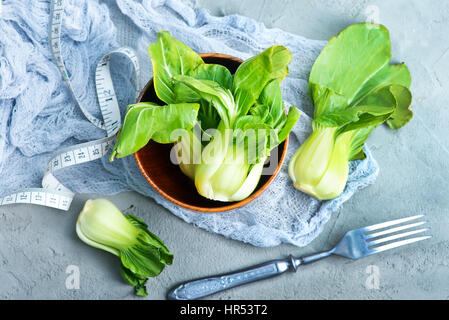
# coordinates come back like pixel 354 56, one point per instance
pixel 396 236
pixel 396 244
pixel 392 230
pixel 390 223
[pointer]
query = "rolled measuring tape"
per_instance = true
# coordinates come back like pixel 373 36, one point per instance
pixel 53 193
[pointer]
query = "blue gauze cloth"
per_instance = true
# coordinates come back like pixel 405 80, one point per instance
pixel 38 114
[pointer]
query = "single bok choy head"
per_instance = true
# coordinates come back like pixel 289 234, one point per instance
pixel 354 89
pixel 223 125
pixel 142 254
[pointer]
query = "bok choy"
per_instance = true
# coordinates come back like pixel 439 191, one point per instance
pixel 142 254
pixel 354 89
pixel 223 126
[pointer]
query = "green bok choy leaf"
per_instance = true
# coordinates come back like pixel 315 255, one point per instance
pixel 147 120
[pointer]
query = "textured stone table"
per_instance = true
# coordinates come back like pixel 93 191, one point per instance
pixel 38 244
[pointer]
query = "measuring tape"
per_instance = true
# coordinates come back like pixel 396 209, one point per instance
pixel 53 193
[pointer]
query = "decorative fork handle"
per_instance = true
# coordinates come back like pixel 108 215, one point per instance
pixel 203 287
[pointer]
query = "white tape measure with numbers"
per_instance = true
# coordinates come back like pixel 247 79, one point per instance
pixel 53 193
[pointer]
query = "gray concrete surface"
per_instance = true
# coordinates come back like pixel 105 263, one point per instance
pixel 38 244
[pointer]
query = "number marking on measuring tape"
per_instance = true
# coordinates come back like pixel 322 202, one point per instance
pixel 53 193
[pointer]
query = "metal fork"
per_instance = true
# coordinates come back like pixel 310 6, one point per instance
pixel 355 244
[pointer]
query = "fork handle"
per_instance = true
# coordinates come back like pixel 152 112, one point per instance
pixel 203 287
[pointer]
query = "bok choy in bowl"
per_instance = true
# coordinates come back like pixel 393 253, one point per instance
pixel 223 118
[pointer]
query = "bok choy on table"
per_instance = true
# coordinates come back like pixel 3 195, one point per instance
pixel 354 89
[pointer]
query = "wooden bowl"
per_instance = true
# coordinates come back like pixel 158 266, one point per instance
pixel 167 178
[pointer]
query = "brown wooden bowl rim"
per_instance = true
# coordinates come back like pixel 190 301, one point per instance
pixel 232 206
